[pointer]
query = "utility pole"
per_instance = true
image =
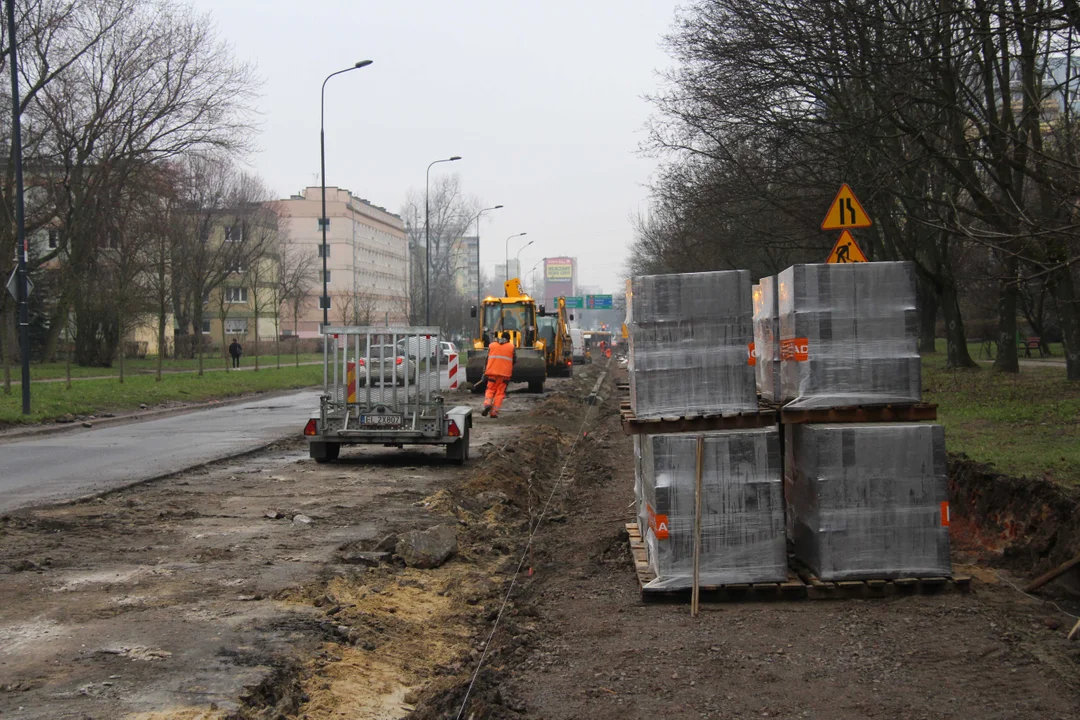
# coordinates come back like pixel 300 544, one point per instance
pixel 22 288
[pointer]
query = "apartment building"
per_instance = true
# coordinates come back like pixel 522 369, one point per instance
pixel 367 265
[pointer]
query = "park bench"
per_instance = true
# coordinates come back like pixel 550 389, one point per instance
pixel 1032 343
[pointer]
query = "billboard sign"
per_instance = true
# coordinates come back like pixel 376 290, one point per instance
pixel 559 269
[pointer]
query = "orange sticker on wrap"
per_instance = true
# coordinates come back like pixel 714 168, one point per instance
pixel 946 517
pixel 797 349
pixel 751 355
pixel 658 523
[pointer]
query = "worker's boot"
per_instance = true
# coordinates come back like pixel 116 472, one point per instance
pixel 486 410
pixel 494 413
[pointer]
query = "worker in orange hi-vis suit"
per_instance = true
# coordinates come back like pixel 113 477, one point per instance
pixel 499 369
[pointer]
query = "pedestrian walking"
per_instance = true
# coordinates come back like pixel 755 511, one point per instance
pixel 235 350
pixel 499 370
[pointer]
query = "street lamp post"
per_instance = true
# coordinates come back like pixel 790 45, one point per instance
pixel 22 282
pixel 324 221
pixel 506 268
pixel 427 239
pixel 496 207
pixel 517 258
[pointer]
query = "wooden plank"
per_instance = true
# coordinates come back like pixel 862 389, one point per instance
pixel 915 412
pixel 655 426
pixel 1053 574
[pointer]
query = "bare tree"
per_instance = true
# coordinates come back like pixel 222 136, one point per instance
pixel 123 105
pixel 450 215
pixel 295 278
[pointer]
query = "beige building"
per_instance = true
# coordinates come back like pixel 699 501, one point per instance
pixel 368 262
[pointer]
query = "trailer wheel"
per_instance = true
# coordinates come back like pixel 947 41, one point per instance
pixel 458 452
pixel 536 387
pixel 324 452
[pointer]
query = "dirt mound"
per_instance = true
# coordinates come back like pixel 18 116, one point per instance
pixel 1027 525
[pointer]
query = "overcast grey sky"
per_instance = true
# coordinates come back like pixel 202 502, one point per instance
pixel 543 100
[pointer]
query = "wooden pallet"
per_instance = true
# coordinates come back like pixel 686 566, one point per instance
pixel 823 590
pixel 762 417
pixel 801 584
pixel 791 589
pixel 911 412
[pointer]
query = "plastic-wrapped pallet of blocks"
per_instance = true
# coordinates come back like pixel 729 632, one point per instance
pixel 868 501
pixel 742 508
pixel 690 343
pixel 849 335
pixel 767 339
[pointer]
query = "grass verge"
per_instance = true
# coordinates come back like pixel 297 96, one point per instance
pixel 49 371
pixel 51 400
pixel 1025 424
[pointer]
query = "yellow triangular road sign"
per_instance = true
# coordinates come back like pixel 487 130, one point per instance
pixel 846 250
pixel 845 213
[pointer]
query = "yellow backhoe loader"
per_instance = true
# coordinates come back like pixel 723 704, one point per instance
pixel 558 347
pixel 514 314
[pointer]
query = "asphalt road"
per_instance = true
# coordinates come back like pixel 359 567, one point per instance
pixel 74 464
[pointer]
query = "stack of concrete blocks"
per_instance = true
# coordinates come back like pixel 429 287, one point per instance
pixel 689 344
pixel 690 339
pixel 849 335
pixel 767 339
pixel 742 508
pixel 870 500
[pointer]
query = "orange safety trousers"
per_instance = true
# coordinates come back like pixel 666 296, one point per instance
pixel 496 392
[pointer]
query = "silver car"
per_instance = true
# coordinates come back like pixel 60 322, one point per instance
pixel 387 366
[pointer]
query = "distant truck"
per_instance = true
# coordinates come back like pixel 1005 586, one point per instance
pixel 376 394
pixel 577 338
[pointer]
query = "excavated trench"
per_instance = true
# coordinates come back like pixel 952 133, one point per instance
pixel 399 641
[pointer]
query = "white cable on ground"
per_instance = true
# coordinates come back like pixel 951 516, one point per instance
pixel 1033 597
pixel 521 562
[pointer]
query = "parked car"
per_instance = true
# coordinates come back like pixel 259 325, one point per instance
pixel 395 366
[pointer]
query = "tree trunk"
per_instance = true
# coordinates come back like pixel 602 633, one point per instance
pixel 928 311
pixel 957 355
pixel 256 341
pixel 277 339
pixel 1068 311
pixel 1007 359
pixel 123 347
pixel 57 323
pixel 67 363
pixel 225 348
pixel 5 350
pixel 160 343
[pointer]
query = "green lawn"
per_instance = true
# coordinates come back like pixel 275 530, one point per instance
pixel 981 352
pixel 48 371
pixel 1026 424
pixel 51 400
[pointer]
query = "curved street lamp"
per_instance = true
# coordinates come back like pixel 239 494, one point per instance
pixel 427 238
pixel 506 267
pixel 494 207
pixel 324 222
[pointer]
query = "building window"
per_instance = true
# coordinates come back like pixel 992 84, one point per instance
pixel 236 326
pixel 206 326
pixel 324 251
pixel 236 295
pixel 234 234
pixel 237 267
pixel 325 279
pixel 54 239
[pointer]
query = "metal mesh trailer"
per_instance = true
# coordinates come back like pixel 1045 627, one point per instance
pixel 381 386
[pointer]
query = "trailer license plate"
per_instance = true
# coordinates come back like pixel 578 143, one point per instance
pixel 387 420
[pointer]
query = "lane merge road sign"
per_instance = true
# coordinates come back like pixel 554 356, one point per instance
pixel 845 213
